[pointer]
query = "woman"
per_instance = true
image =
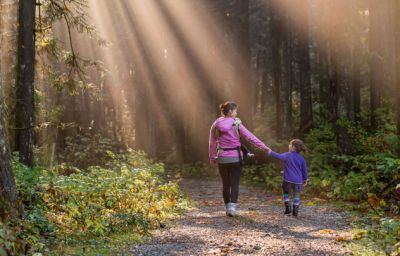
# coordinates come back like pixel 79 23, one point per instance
pixel 225 150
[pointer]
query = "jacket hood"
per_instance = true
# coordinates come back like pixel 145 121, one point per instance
pixel 225 124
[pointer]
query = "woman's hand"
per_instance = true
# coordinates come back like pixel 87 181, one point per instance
pixel 213 162
pixel 305 182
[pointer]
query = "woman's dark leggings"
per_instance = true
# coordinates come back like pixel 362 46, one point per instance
pixel 230 174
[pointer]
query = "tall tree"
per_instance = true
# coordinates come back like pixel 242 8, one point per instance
pixel 288 86
pixel 397 53
pixel 8 193
pixel 376 58
pixel 306 116
pixel 355 83
pixel 243 89
pixel 24 109
pixel 276 45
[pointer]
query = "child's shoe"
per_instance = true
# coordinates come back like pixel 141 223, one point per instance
pixel 295 210
pixel 288 209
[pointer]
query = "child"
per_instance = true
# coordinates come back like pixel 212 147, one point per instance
pixel 294 174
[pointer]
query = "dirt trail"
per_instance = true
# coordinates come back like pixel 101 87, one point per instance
pixel 262 229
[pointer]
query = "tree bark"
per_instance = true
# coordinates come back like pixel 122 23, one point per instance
pixel 8 191
pixel 306 115
pixel 276 35
pixel 288 88
pixel 376 59
pixel 24 110
pixel 333 88
pixel 397 78
pixel 243 89
pixel 356 84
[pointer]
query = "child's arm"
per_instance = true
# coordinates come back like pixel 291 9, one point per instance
pixel 276 155
pixel 304 172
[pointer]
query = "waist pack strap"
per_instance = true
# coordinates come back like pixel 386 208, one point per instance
pixel 238 150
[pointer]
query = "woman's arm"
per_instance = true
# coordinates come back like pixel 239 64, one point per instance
pixel 212 142
pixel 252 138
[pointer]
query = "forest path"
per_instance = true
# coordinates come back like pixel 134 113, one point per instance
pixel 261 229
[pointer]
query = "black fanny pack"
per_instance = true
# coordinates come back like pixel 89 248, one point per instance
pixel 242 150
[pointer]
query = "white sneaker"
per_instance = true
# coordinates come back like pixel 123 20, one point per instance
pixel 227 209
pixel 232 210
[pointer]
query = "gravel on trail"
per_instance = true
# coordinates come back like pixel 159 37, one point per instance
pixel 261 228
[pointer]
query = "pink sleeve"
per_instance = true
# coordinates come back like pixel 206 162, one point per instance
pixel 212 142
pixel 252 138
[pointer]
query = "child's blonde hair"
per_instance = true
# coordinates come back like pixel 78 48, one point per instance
pixel 298 145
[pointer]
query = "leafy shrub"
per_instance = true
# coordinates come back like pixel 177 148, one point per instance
pixel 84 150
pixel 269 175
pixel 387 234
pixel 129 192
pixel 10 243
pixel 368 173
pixel 102 200
pixel 380 238
pixel 196 170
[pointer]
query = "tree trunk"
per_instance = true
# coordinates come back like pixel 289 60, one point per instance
pixel 397 53
pixel 243 89
pixel 306 116
pixel 8 191
pixel 288 88
pixel 376 59
pixel 323 80
pixel 24 110
pixel 356 84
pixel 276 69
pixel 333 91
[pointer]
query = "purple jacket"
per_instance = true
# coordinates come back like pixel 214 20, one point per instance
pixel 228 138
pixel 295 168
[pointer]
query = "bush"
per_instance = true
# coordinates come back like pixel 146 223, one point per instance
pixel 64 206
pixel 196 170
pixel 387 234
pixel 84 150
pixel 269 175
pixel 368 172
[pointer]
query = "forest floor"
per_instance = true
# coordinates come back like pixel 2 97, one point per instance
pixel 261 229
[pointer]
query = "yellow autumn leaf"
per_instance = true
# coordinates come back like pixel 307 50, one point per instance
pixel 342 238
pixel 310 203
pixel 327 231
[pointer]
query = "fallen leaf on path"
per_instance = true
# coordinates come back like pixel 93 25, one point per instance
pixel 342 238
pixel 310 203
pixel 327 231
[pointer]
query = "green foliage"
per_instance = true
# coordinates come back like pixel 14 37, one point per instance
pixel 197 170
pixel 387 233
pixel 270 175
pixel 84 150
pixel 10 243
pixel 367 173
pixel 380 238
pixel 66 205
